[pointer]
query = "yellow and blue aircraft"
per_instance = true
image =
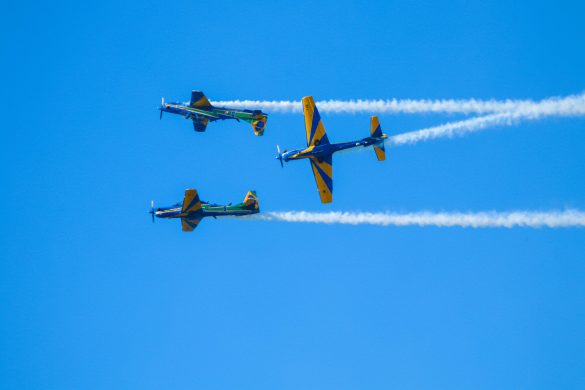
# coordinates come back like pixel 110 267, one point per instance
pixel 192 210
pixel 320 152
pixel 201 112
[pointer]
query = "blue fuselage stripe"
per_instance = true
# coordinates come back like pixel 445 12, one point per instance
pixel 322 151
pixel 174 213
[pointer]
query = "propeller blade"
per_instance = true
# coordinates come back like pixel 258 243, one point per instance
pixel 279 157
pixel 152 209
pixel 162 106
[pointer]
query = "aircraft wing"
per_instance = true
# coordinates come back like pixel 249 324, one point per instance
pixel 323 172
pixel 314 128
pixel 200 123
pixel 189 224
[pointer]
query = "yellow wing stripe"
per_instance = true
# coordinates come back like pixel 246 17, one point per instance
pixel 323 173
pixel 314 128
pixel 325 166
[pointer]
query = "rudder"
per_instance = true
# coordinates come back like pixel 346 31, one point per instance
pixel 191 202
pixel 259 125
pixel 251 200
pixel 198 99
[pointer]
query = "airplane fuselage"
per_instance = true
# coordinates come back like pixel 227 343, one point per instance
pixel 207 210
pixel 320 151
pixel 212 113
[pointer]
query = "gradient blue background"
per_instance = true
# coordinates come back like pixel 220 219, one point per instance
pixel 93 296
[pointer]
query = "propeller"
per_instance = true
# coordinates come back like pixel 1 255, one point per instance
pixel 162 106
pixel 279 156
pixel 152 210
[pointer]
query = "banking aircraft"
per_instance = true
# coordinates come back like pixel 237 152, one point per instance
pixel 192 210
pixel 201 112
pixel 319 151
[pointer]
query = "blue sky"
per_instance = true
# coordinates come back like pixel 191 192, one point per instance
pixel 92 295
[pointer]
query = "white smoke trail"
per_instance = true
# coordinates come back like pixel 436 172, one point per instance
pixel 528 219
pixel 456 129
pixel 502 113
pixel 560 108
pixel 411 106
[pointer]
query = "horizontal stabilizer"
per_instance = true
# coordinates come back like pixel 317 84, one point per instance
pixel 375 128
pixel 376 131
pixel 380 152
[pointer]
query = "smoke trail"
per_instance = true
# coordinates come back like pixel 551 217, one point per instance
pixel 455 129
pixel 410 106
pixel 576 107
pixel 528 219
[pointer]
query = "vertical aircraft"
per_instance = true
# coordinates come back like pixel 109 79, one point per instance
pixel 192 210
pixel 319 151
pixel 201 112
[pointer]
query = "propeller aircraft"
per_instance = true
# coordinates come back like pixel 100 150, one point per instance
pixel 192 210
pixel 201 112
pixel 319 151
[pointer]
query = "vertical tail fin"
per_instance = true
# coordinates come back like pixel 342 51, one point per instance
pixel 191 202
pixel 251 200
pixel 198 99
pixel 376 131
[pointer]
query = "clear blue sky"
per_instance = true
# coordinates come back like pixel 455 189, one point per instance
pixel 93 296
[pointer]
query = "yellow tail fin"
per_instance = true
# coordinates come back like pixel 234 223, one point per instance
pixel 259 125
pixel 251 199
pixel 198 99
pixel 191 202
